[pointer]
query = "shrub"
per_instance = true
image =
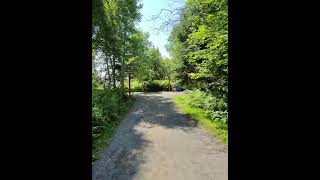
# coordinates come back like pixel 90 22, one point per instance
pixel 197 98
pixel 215 108
pixel 136 86
pixel 158 85
pixel 152 86
pixel 107 106
pixel 164 84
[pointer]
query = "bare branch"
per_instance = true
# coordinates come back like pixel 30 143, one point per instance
pixel 165 10
pixel 168 19
pixel 157 16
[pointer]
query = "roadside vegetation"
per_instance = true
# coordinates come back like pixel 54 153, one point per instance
pixel 124 60
pixel 207 110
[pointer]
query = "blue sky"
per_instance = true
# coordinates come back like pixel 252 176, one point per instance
pixel 150 8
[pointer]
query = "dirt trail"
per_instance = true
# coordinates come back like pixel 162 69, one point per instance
pixel 157 142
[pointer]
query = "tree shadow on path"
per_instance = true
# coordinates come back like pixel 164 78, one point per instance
pixel 122 159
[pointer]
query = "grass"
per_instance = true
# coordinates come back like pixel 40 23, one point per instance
pixel 105 138
pixel 199 115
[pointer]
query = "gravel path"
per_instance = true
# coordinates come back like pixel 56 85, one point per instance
pixel 155 141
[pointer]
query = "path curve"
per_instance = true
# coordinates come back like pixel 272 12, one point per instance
pixel 155 141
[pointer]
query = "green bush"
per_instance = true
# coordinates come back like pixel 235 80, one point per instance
pixel 136 86
pixel 107 108
pixel 152 86
pixel 215 108
pixel 197 98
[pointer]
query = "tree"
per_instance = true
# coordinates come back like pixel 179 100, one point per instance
pixel 200 44
pixel 113 24
pixel 138 45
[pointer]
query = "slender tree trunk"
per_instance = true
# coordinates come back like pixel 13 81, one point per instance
pixel 105 80
pixel 122 59
pixel 129 84
pixel 108 73
pixel 169 82
pixel 114 72
pixel 122 74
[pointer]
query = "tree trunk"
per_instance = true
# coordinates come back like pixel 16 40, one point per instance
pixel 122 59
pixel 122 74
pixel 129 84
pixel 114 72
pixel 169 82
pixel 104 81
pixel 108 73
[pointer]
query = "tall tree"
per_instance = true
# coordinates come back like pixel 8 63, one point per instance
pixel 113 24
pixel 200 42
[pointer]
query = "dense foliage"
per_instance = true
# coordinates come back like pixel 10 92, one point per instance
pixel 108 106
pixel 124 59
pixel 120 54
pixel 116 45
pixel 199 45
pixel 215 108
pixel 152 86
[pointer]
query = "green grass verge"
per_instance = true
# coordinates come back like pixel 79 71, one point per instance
pixel 104 139
pixel 199 115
